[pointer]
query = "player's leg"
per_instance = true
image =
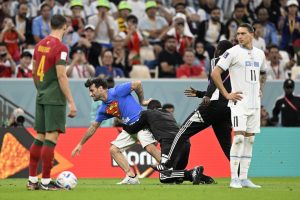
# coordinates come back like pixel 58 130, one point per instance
pixel 222 130
pixel 148 142
pixel 239 126
pixel 55 117
pixel 118 146
pixel 196 122
pixel 36 148
pixel 253 127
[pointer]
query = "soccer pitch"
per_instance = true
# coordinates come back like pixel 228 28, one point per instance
pixel 151 189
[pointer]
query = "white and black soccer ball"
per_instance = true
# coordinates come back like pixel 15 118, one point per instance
pixel 66 179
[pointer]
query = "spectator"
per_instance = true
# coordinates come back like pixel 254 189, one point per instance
pixel 289 106
pixel 230 30
pixel 269 29
pixel 11 37
pixel 169 59
pixel 181 31
pixel 264 117
pixel 24 69
pixel 152 24
pixel 91 48
pixel 120 55
pixel 273 10
pixel 169 107
pixel 70 37
pixel 41 24
pixel 107 69
pixel 258 41
pixel 23 24
pixel 291 27
pixel 210 31
pixel 138 8
pixel 31 8
pixel 275 67
pixel 163 11
pixel 105 26
pixel 79 67
pixel 188 69
pixel 202 58
pixel 77 22
pixel 239 14
pixel 133 40
pixel 124 11
pixel 7 64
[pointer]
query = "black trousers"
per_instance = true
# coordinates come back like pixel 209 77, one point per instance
pixel 178 174
pixel 217 115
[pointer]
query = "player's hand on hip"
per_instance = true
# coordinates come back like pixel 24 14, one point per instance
pixel 206 101
pixel 146 102
pixel 234 96
pixel 73 110
pixel 190 92
pixel 77 150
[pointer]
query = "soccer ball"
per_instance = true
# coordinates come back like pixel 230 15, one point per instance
pixel 66 179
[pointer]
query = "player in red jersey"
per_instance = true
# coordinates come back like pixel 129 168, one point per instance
pixel 53 92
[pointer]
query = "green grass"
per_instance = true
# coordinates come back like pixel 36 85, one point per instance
pixel 151 189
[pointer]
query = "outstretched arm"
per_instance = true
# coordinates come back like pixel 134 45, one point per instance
pixel 137 87
pixel 89 133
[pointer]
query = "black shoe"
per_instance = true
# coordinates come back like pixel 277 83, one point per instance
pixel 197 174
pixel 51 186
pixel 207 180
pixel 160 167
pixel 32 186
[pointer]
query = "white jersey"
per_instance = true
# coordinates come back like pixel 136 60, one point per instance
pixel 244 68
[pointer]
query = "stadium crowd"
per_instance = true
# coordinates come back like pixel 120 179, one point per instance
pixel 139 38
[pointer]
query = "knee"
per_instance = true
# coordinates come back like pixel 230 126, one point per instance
pixel 238 139
pixel 251 140
pixel 113 149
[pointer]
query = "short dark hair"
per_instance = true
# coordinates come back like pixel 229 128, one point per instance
pixel 26 54
pixel 110 82
pixel 168 37
pixel 22 3
pixel 3 44
pixel 272 46
pixel 168 105
pixel 222 46
pixel 132 18
pixel 97 81
pixel 247 26
pixel 57 21
pixel 154 104
pixel 239 5
pixel 214 8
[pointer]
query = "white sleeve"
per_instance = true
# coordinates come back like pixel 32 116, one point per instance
pixel 226 60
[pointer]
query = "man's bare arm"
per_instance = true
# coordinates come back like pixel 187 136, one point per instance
pixel 262 80
pixel 137 87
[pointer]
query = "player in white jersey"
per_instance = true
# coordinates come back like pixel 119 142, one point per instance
pixel 246 66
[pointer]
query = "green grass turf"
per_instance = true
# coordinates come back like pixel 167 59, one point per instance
pixel 150 189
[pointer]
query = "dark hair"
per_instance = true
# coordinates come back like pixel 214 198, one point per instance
pixel 58 21
pixel 256 22
pixel 3 44
pixel 239 5
pixel 247 26
pixel 168 37
pixel 272 46
pixel 76 49
pixel 167 105
pixel 44 5
pixel 22 3
pixel 110 82
pixel 222 46
pixel 154 104
pixel 132 18
pixel 214 8
pixel 26 54
pixel 97 81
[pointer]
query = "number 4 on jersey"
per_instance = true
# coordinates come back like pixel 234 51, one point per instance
pixel 40 71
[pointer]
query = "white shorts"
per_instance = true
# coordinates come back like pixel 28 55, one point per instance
pixel 125 140
pixel 245 119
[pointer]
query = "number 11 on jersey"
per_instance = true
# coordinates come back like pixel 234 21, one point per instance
pixel 40 70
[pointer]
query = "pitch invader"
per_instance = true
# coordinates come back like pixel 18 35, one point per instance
pixel 246 66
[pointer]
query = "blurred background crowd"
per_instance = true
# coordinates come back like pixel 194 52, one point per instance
pixel 148 39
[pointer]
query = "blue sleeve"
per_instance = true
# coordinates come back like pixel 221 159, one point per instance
pixel 123 89
pixel 101 116
pixel 36 28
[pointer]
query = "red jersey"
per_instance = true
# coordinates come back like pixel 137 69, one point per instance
pixel 48 53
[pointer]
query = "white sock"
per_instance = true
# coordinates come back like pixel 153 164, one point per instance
pixel 33 179
pixel 246 157
pixel 46 181
pixel 236 151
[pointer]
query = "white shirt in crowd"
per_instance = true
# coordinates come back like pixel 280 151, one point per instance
pixel 244 68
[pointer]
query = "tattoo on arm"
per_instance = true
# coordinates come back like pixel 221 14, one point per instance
pixel 89 133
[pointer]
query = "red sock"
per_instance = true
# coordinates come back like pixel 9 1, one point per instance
pixel 35 155
pixel 47 158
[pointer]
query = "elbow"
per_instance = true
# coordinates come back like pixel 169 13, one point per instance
pixel 136 84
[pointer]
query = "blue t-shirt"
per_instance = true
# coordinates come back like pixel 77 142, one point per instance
pixel 120 103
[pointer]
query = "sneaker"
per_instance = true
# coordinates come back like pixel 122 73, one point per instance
pixel 207 180
pixel 197 174
pixel 32 186
pixel 51 186
pixel 235 183
pixel 160 167
pixel 249 184
pixel 130 181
